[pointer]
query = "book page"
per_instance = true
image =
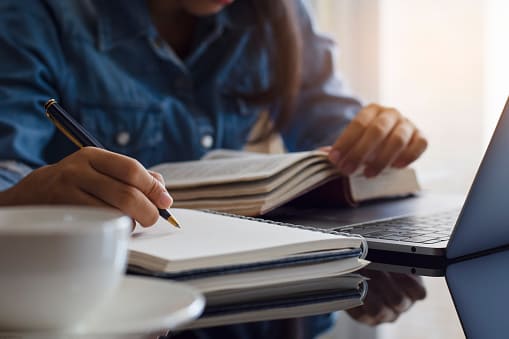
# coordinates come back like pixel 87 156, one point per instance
pixel 207 172
pixel 300 171
pixel 390 183
pixel 222 153
pixel 256 204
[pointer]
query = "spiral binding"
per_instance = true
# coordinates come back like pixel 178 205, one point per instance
pixel 364 244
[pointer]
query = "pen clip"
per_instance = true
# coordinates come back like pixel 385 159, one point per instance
pixel 63 130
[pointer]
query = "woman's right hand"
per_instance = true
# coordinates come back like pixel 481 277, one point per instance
pixel 95 177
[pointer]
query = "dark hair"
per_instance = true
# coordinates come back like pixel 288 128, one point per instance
pixel 285 55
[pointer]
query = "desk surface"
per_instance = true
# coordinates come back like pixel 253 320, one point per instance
pixel 436 308
pixel 433 317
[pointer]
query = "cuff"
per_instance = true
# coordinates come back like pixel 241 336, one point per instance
pixel 11 172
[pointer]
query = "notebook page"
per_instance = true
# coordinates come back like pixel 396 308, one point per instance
pixel 204 235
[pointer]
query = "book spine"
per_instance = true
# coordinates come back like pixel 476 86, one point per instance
pixel 364 243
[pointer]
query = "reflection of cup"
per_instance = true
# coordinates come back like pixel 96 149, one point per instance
pixel 57 264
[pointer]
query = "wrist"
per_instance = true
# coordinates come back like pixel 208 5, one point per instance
pixel 6 197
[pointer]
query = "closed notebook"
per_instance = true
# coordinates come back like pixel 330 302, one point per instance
pixel 213 244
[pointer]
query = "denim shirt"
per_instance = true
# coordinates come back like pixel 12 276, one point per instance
pixel 104 61
pixel 106 64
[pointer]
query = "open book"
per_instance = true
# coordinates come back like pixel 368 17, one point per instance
pixel 255 184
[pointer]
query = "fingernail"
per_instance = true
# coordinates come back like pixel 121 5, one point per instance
pixel 334 156
pixel 165 200
pixel 348 168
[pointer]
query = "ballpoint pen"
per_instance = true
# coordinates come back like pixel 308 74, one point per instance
pixel 81 138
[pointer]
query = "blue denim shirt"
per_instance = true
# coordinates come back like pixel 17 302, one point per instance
pixel 106 64
pixel 104 61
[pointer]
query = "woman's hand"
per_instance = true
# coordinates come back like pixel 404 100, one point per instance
pixel 95 177
pixel 376 138
pixel 389 295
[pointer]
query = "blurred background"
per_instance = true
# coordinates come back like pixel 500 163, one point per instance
pixel 444 64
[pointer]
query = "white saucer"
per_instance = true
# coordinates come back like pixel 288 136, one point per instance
pixel 141 305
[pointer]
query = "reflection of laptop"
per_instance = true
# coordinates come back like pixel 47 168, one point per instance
pixel 426 240
pixel 479 290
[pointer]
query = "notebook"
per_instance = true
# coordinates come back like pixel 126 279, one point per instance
pixel 432 240
pixel 212 243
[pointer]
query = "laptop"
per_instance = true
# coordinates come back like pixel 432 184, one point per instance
pixel 432 240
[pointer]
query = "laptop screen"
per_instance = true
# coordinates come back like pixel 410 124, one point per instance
pixel 482 224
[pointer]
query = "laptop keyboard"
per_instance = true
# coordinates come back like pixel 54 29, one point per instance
pixel 428 229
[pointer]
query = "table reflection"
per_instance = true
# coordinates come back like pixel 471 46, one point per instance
pixel 388 295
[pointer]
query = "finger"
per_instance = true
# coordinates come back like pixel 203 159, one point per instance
pixel 414 150
pixel 126 198
pixel 411 285
pixel 325 149
pixel 130 172
pixel 370 140
pixel 385 316
pixel 353 132
pixel 158 176
pixel 90 200
pixel 76 196
pixel 390 292
pixel 399 301
pixel 374 310
pixel 391 148
pixel 372 315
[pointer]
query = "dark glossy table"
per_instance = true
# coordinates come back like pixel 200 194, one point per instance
pixel 432 317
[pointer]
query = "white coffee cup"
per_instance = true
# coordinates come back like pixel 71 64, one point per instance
pixel 58 263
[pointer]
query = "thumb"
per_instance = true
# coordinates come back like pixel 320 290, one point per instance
pixel 157 176
pixel 158 193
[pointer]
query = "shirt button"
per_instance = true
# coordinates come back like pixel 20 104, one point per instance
pixel 123 138
pixel 207 141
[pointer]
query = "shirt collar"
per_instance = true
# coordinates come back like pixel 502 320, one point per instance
pixel 119 21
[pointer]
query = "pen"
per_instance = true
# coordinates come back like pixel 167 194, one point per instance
pixel 81 138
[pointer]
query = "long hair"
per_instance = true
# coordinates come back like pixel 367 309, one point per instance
pixel 284 44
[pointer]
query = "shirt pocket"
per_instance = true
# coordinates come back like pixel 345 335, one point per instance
pixel 132 129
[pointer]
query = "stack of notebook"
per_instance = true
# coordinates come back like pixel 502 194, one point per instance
pixel 238 261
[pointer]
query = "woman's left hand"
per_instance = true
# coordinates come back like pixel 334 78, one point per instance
pixel 377 137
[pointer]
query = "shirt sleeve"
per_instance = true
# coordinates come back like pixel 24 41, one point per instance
pixel 11 172
pixel 323 107
pixel 29 55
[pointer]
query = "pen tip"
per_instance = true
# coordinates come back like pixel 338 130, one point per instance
pixel 173 221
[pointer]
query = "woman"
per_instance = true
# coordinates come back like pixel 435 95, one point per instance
pixel 168 80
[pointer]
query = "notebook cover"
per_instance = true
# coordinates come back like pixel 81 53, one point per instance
pixel 312 258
